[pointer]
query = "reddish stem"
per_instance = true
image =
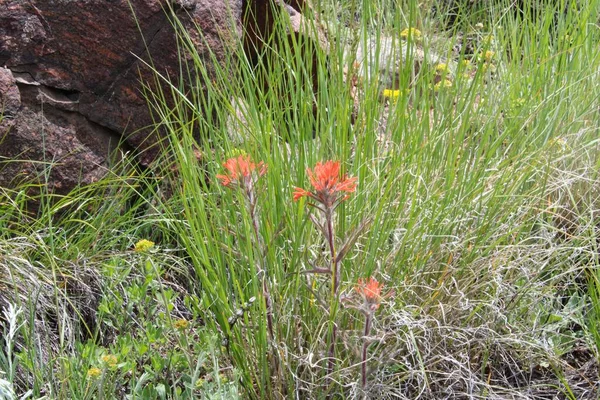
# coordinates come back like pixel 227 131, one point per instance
pixel 335 277
pixel 365 346
pixel 259 243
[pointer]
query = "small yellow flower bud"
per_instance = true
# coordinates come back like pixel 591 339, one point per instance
pixel 110 360
pixel 446 83
pixel 93 373
pixel 181 324
pixel 391 94
pixel 413 32
pixel 441 68
pixel 143 246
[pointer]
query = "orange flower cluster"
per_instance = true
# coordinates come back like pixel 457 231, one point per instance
pixel 240 171
pixel 329 187
pixel 370 290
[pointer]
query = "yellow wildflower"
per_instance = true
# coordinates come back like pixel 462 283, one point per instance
pixel 93 373
pixel 467 64
pixel 489 55
pixel 391 94
pixel 442 68
pixel 181 324
pixel 110 360
pixel 143 246
pixel 412 32
pixel 446 83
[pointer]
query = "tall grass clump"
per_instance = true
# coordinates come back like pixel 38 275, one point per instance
pixel 374 207
pixel 459 160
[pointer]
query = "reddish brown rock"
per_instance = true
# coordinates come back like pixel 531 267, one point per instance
pixel 70 87
pixel 10 98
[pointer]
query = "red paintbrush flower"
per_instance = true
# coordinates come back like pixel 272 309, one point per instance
pixel 370 291
pixel 241 171
pixel 329 187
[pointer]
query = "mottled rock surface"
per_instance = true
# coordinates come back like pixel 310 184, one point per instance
pixel 69 89
pixel 70 73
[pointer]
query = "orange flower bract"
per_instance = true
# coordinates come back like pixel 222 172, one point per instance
pixel 370 290
pixel 240 169
pixel 329 187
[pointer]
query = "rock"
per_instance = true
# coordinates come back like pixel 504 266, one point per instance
pixel 383 58
pixel 10 98
pixel 40 137
pixel 70 86
pixel 70 83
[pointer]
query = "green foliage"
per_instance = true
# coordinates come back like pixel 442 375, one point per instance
pixel 475 207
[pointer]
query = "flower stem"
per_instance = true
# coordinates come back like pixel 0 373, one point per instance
pixel 365 346
pixel 335 274
pixel 259 244
pixel 335 281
